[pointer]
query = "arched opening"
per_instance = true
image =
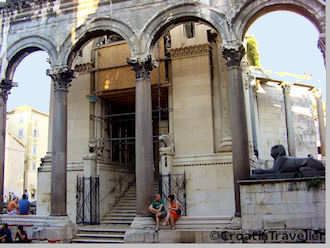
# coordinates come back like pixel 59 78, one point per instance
pixel 284 81
pixel 194 118
pixel 27 122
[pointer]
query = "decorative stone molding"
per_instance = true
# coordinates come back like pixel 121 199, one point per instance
pixel 204 164
pixel 142 66
pixel 86 67
pixel 316 92
pixel 5 87
pixel 190 51
pixel 62 77
pixel 322 46
pixel 233 54
pixel 286 87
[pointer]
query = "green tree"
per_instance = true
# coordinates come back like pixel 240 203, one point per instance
pixel 252 52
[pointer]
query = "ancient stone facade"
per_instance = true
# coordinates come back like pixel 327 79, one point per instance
pixel 214 160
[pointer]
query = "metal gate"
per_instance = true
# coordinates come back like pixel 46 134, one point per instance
pixel 88 200
pixel 175 184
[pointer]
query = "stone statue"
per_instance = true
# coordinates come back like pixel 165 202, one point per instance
pixel 166 144
pixel 289 167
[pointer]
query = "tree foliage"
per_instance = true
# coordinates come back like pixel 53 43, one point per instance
pixel 252 52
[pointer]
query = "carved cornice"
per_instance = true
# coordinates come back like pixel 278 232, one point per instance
pixel 204 164
pixel 62 77
pixel 86 67
pixel 190 51
pixel 5 87
pixel 142 66
pixel 233 54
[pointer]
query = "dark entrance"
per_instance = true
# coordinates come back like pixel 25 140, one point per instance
pixel 119 118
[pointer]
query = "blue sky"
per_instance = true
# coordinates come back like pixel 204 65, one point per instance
pixel 287 43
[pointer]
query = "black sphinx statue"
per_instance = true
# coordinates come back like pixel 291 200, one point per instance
pixel 289 167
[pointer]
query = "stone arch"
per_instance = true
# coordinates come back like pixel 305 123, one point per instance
pixel 92 29
pixel 174 15
pixel 313 10
pixel 25 46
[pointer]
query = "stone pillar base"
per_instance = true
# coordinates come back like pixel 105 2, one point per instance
pixel 53 229
pixel 61 230
pixel 142 230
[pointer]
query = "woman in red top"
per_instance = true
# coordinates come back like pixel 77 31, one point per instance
pixel 174 208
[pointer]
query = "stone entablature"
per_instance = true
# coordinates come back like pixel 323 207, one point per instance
pixel 190 51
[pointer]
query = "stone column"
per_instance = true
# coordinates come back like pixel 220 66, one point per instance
pixel 5 87
pixel 144 166
pixel 320 117
pixel 289 120
pixel 254 116
pixel 240 143
pixel 62 76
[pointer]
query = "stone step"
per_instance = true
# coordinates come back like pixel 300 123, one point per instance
pixel 118 218
pixel 120 214
pixel 121 210
pixel 127 200
pixel 133 203
pixel 126 208
pixel 81 240
pixel 102 230
pixel 98 235
pixel 116 222
pixel 126 205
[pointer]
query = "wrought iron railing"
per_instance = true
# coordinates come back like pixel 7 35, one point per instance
pixel 88 200
pixel 174 184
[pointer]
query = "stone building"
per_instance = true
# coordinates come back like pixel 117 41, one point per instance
pixel 14 170
pixel 30 126
pixel 159 97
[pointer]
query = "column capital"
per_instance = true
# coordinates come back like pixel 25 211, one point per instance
pixel 5 87
pixel 286 87
pixel 316 92
pixel 62 77
pixel 233 53
pixel 142 66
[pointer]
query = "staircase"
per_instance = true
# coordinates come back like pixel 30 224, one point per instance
pixel 114 224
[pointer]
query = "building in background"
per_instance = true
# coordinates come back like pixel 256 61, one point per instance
pixel 30 127
pixel 14 164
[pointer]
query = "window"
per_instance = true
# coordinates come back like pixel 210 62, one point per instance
pixel 35 133
pixel 21 118
pixel 189 30
pixel 34 166
pixel 34 149
pixel 20 133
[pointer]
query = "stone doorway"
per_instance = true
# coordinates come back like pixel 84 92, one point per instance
pixel 119 125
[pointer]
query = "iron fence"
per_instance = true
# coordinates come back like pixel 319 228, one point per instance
pixel 174 184
pixel 88 200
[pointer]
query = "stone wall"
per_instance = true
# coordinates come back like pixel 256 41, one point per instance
pixel 209 184
pixel 283 204
pixel 114 181
pixel 44 189
pixel 272 124
pixel 304 116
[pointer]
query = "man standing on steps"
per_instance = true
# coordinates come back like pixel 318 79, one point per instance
pixel 157 209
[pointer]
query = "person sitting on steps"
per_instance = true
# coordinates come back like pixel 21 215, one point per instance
pixel 157 210
pixel 174 208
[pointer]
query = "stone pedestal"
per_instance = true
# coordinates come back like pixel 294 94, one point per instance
pixel 90 165
pixel 54 229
